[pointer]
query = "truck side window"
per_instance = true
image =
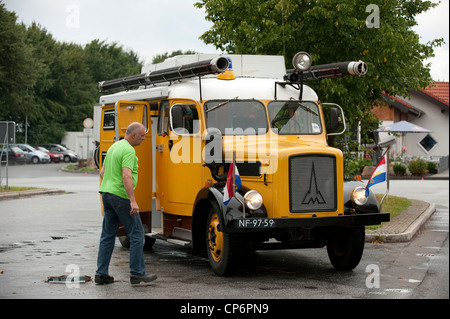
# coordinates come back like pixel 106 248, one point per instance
pixel 163 118
pixel 184 119
pixel 108 120
pixel 145 118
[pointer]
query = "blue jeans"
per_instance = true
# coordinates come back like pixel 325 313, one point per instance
pixel 117 210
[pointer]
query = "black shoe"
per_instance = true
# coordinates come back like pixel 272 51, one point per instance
pixel 101 280
pixel 135 280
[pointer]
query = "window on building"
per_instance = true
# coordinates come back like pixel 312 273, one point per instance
pixel 428 143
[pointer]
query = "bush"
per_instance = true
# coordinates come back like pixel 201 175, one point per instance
pixel 431 167
pixel 354 167
pixel 399 169
pixel 417 167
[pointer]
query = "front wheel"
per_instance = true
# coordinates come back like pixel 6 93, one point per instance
pixel 345 247
pixel 221 247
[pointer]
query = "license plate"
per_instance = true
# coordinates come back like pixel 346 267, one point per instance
pixel 255 223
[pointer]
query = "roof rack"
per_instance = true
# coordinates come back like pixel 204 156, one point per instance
pixel 197 69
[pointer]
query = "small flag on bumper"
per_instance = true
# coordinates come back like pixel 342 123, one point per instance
pixel 379 175
pixel 232 179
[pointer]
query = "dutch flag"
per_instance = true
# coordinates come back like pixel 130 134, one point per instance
pixel 379 175
pixel 229 192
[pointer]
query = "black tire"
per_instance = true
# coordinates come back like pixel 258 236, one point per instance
pixel 97 156
pixel 221 247
pixel 345 247
pixel 67 159
pixel 35 160
pixel 148 244
pixel 125 242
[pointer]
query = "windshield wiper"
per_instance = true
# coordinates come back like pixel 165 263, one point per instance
pixel 221 104
pixel 305 107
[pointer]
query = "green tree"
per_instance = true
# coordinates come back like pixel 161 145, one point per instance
pixel 109 61
pixel 62 85
pixel 332 31
pixel 53 85
pixel 16 76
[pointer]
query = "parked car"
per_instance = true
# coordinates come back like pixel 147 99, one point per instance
pixel 33 155
pixel 15 155
pixel 69 155
pixel 55 157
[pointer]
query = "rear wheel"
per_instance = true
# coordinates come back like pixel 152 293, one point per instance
pixel 125 242
pixel 345 247
pixel 149 241
pixel 221 246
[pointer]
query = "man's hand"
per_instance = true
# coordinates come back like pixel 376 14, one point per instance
pixel 134 208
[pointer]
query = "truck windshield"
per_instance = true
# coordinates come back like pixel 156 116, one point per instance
pixel 236 117
pixel 295 117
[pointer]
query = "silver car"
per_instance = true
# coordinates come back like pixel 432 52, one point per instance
pixel 33 155
pixel 69 155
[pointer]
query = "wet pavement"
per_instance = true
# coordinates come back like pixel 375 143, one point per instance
pixel 56 235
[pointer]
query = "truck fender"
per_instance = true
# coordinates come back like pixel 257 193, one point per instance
pixel 370 207
pixel 207 198
pixel 212 198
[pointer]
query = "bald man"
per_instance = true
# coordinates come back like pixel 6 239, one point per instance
pixel 119 176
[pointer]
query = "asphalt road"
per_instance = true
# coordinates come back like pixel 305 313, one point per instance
pixel 57 235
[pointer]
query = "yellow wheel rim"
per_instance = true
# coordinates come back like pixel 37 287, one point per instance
pixel 215 238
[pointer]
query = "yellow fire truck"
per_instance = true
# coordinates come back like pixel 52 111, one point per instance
pixel 214 114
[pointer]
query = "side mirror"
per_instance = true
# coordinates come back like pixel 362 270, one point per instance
pixel 334 120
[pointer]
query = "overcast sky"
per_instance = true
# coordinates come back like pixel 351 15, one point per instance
pixel 151 27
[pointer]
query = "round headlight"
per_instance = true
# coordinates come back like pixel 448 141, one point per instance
pixel 358 196
pixel 253 200
pixel 302 61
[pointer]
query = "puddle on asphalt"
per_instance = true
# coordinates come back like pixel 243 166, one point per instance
pixel 29 243
pixel 16 245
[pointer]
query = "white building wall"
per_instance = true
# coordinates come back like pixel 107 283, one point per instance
pixel 433 119
pixel 79 143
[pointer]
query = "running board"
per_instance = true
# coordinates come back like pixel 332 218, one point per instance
pixel 168 239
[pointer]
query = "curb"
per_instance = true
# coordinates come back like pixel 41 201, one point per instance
pixel 75 171
pixel 31 192
pixel 407 235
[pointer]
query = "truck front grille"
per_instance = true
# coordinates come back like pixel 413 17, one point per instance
pixel 312 183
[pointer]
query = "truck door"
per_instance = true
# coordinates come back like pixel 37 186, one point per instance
pixel 127 113
pixel 185 164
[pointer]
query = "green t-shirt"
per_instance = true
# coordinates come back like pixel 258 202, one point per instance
pixel 120 154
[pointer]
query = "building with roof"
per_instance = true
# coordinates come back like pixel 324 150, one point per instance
pixel 427 108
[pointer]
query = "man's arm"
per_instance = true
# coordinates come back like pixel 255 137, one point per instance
pixel 128 185
pixel 102 172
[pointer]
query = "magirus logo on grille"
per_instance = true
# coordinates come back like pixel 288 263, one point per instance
pixel 313 195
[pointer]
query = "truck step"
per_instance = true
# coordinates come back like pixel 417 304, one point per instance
pixel 168 239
